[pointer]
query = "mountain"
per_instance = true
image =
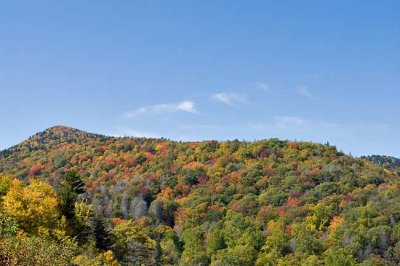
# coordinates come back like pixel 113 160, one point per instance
pixel 268 202
pixel 54 136
pixel 387 162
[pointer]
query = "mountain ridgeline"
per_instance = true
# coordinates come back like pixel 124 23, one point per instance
pixel 162 202
pixel 387 162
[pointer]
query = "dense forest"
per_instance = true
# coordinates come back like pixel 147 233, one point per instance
pixel 388 162
pixel 68 197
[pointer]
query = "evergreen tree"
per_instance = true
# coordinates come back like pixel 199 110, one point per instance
pixel 71 186
pixel 102 233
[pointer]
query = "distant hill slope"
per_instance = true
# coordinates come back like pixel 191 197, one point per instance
pixel 388 162
pixel 266 202
pixel 54 136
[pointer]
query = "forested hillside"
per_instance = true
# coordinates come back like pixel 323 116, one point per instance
pixel 388 162
pixel 77 198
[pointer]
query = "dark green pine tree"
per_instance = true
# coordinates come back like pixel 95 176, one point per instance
pixel 102 233
pixel 70 187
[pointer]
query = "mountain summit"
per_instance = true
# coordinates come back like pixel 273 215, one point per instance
pixel 63 133
pixel 54 136
pixel 224 203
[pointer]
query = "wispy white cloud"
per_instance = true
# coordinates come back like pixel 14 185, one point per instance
pixel 199 126
pixel 290 121
pixel 258 126
pixel 305 91
pixel 229 98
pixel 185 106
pixel 263 87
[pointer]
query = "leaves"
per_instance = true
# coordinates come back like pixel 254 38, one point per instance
pixel 34 207
pixel 268 202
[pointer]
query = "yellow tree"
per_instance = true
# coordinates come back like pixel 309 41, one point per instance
pixel 33 206
pixel 133 244
pixel 5 183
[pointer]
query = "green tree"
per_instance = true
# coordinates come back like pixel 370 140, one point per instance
pixel 339 257
pixel 306 241
pixel 102 233
pixel 77 213
pixel 194 252
pixel 133 244
pixel 170 246
pixel 70 187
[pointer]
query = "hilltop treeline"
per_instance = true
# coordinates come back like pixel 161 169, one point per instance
pixel 388 162
pixel 161 202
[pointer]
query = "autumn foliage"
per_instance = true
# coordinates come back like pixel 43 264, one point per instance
pixel 161 202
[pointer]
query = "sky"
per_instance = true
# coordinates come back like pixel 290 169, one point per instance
pixel 322 71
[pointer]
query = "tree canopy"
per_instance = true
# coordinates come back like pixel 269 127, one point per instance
pixel 160 202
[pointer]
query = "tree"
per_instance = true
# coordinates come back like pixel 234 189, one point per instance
pixel 34 207
pixel 240 255
pixel 102 234
pixel 81 223
pixel 8 227
pixel 77 219
pixel 306 240
pixel 170 246
pixel 215 238
pixel 242 238
pixel 35 251
pixel 102 259
pixel 339 257
pixel 133 244
pixel 276 245
pixel 71 186
pixel 137 208
pixel 5 183
pixel 194 252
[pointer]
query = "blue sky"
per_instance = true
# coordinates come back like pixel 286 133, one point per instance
pixel 194 70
